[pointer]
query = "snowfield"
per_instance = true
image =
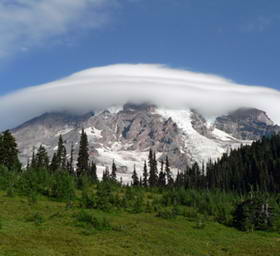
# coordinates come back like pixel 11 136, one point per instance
pixel 201 148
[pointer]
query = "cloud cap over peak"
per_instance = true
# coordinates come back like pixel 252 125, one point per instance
pixel 101 87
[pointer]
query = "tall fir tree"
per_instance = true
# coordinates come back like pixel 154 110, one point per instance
pixel 83 157
pixel 170 180
pixel 145 175
pixel 70 167
pixel 93 172
pixel 153 175
pixel 106 175
pixel 9 151
pixel 61 154
pixel 41 158
pixel 161 176
pixel 135 179
pixel 114 171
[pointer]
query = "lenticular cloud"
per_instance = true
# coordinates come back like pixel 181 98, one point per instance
pixel 99 88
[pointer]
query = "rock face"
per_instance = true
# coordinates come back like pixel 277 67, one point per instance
pixel 247 123
pixel 126 134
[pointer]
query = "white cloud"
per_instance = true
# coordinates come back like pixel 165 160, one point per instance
pixel 28 23
pixel 99 88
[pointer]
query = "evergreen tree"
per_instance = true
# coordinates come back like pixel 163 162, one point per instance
pixel 54 163
pixel 33 163
pixel 92 172
pixel 168 173
pixel 41 158
pixel 135 179
pixel 153 176
pixel 114 172
pixel 70 167
pixel 61 155
pixel 145 175
pixel 161 177
pixel 106 175
pixel 9 151
pixel 83 157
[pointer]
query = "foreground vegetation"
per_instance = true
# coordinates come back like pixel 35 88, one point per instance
pixel 52 208
pixel 47 227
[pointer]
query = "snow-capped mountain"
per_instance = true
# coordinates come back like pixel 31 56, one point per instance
pixel 126 133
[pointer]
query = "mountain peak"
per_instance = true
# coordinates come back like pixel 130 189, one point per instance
pixel 247 123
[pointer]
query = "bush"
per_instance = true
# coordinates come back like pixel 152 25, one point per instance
pixel 32 197
pixel 91 221
pixel 200 222
pixel 223 216
pixel 88 199
pixel 63 186
pixel 190 213
pixel 138 205
pixel 166 213
pixel 37 218
pixel 253 214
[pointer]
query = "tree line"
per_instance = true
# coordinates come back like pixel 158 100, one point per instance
pixel 255 167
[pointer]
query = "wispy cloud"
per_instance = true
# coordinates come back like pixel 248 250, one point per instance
pixel 260 23
pixel 100 88
pixel 25 24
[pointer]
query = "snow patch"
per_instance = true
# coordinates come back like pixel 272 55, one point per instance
pixel 202 149
pixel 115 109
pixel 93 132
pixel 221 135
pixel 63 132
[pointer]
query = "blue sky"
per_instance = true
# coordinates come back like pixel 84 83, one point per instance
pixel 46 40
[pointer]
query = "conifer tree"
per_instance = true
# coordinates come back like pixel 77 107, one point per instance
pixel 135 179
pixel 41 158
pixel 161 177
pixel 33 163
pixel 153 176
pixel 61 154
pixel 106 175
pixel 9 151
pixel 145 175
pixel 168 173
pixel 83 157
pixel 54 162
pixel 114 172
pixel 70 167
pixel 92 172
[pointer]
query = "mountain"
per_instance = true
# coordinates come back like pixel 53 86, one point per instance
pixel 126 134
pixel 247 123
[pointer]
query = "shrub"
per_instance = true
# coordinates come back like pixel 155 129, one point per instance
pixel 253 214
pixel 223 216
pixel 32 197
pixel 166 213
pixel 190 213
pixel 200 222
pixel 92 221
pixel 63 186
pixel 138 205
pixel 88 199
pixel 37 218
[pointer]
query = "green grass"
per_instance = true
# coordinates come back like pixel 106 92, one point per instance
pixel 49 228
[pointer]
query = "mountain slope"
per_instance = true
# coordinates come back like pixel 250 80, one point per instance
pixel 126 134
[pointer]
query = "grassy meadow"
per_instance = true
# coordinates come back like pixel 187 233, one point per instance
pixel 49 228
